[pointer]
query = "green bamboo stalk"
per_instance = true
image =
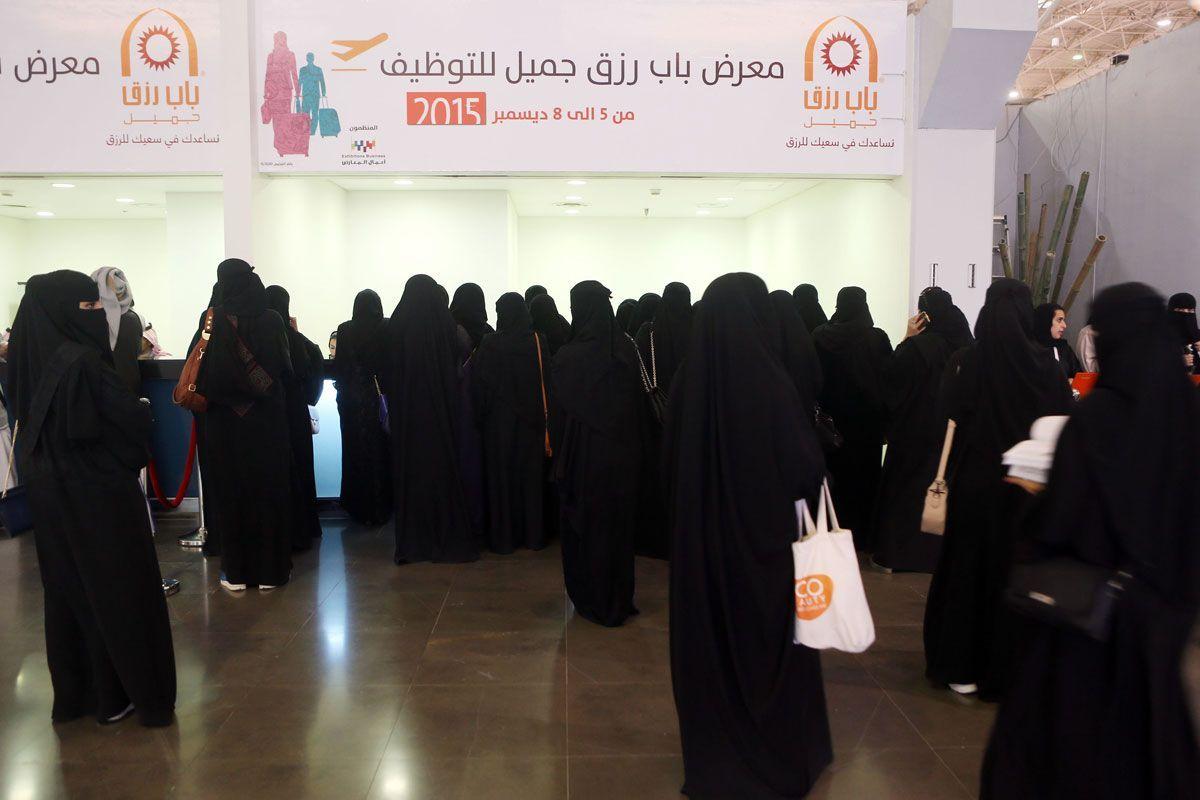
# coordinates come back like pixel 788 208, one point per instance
pixel 1064 262
pixel 1035 244
pixel 1004 261
pixel 1023 227
pixel 1084 271
pixel 1042 289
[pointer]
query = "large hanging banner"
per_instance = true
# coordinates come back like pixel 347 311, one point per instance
pixel 110 86
pixel 629 86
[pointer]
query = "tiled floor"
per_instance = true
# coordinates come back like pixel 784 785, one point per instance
pixel 361 679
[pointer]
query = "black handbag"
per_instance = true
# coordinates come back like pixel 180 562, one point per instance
pixel 1068 593
pixel 827 433
pixel 654 395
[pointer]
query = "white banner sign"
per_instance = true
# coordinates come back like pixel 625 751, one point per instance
pixel 110 86
pixel 630 86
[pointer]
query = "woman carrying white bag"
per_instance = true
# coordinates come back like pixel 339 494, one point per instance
pixel 831 605
pixel 740 449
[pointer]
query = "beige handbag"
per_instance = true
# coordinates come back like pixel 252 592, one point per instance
pixel 933 518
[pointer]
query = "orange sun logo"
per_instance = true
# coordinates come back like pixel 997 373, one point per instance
pixel 163 61
pixel 827 54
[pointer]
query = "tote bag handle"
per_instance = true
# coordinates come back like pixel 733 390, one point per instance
pixel 545 405
pixel 12 457
pixel 946 447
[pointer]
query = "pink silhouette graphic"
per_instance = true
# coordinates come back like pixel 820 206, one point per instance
pixel 281 85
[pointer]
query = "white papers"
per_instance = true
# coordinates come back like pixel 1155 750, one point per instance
pixel 1031 459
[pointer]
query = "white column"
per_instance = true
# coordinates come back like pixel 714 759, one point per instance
pixel 239 133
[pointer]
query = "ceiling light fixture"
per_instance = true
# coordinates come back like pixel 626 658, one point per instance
pixel 1077 57
pixel 571 211
pixel 403 182
pixel 1014 95
pixel 1164 23
pixel 62 185
pixel 1055 41
pixel 45 213
pixel 126 200
pixel 576 182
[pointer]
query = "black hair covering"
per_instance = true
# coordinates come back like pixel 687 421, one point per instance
pixel 584 367
pixel 852 307
pixel 555 329
pixel 1043 321
pixel 1187 331
pixel 240 290
pixel 809 306
pixel 358 337
pixel 224 378
pixel 946 320
pixel 796 350
pixel 739 450
pixel 422 336
pixel 48 317
pixel 672 330
pixel 508 360
pixel 537 290
pixel 279 301
pixel 625 316
pixel 1012 368
pixel 647 306
pixel 469 309
pixel 1145 445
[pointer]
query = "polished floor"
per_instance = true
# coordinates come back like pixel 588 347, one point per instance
pixel 361 679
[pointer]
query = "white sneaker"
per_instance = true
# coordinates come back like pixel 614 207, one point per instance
pixel 964 688
pixel 233 587
pixel 120 716
pixel 265 588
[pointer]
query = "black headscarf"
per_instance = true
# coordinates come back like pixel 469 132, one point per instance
pixel 672 330
pixel 796 350
pixel 537 290
pixel 1013 370
pixel 850 348
pixel 625 316
pixel 359 337
pixel 647 306
pixel 49 316
pixel 590 371
pixel 1043 320
pixel 241 291
pixel 469 309
pixel 1184 322
pixel 507 361
pixel 852 308
pixel 555 329
pixel 1144 445
pixel 224 378
pixel 809 306
pixel 279 301
pixel 946 320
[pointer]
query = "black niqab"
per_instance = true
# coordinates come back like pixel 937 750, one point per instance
pixel 1187 330
pixel 670 328
pixel 469 309
pixel 584 367
pixel 796 350
pixel 809 306
pixel 625 313
pixel 537 290
pixel 647 306
pixel 945 319
pixel 553 327
pixel 739 453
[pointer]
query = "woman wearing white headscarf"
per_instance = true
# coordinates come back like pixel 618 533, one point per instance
pixel 124 325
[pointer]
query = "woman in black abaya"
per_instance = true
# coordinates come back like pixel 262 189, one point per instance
pixel 508 390
pixel 469 309
pixel 853 355
pixel 423 384
pixel 1182 314
pixel 366 461
pixel 916 431
pixel 647 306
pixel 81 439
pixel 625 313
pixel 598 435
pixel 553 327
pixel 302 388
pixel 809 306
pixel 249 477
pixel 537 290
pixel 994 390
pixel 740 450
pixel 1050 323
pixel 663 340
pixel 797 352
pixel 1107 720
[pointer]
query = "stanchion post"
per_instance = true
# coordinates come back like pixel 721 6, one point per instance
pixel 197 537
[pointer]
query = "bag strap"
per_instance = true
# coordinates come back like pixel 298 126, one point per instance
pixel 12 457
pixel 946 446
pixel 646 385
pixel 826 514
pixel 537 340
pixel 653 362
pixel 804 520
pixel 378 391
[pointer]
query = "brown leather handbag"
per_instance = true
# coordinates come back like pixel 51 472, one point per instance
pixel 185 393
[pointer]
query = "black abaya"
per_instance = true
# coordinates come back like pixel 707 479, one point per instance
pixel 916 431
pixel 809 306
pixel 598 435
pixel 624 316
pixel 366 461
pixel 424 389
pixel 507 388
pixel 469 309
pixel 994 390
pixel 740 451
pixel 249 475
pixel 797 352
pixel 853 355
pixel 1107 720
pixel 82 439
pixel 553 327
pixel 302 388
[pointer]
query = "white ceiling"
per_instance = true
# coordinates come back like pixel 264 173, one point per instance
pixel 731 198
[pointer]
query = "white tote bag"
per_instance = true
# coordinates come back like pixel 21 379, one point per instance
pixel 831 605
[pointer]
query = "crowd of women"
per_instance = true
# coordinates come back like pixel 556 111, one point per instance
pixel 675 431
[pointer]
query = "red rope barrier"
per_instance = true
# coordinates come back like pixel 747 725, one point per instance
pixel 187 475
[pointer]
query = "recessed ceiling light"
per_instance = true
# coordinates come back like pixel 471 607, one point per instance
pixel 573 198
pixel 63 185
pixel 702 212
pixel 571 211
pixel 403 182
pixel 724 199
pixel 1164 23
pixel 1014 95
pixel 126 200
pixel 576 182
pixel 45 213
pixel 1077 57
pixel 1055 41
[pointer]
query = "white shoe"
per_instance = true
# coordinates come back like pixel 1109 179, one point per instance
pixel 964 688
pixel 264 588
pixel 233 587
pixel 120 716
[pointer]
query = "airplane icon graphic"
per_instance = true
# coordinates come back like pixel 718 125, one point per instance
pixel 356 47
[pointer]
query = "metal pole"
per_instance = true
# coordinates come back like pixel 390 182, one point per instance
pixel 197 537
